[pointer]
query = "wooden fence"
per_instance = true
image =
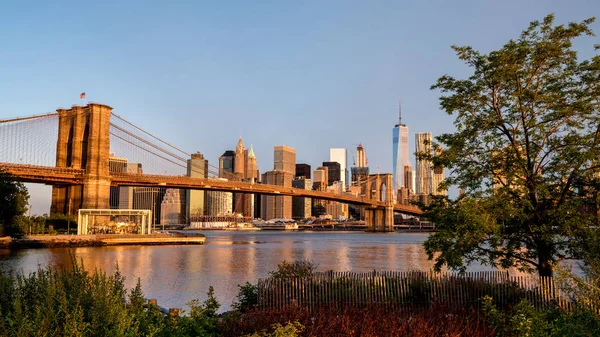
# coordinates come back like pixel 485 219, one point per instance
pixel 410 290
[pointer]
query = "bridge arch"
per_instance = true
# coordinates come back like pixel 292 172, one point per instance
pixel 383 191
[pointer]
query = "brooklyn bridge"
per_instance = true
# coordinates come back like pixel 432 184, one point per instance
pixel 70 149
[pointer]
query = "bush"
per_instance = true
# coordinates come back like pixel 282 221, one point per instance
pixel 525 320
pixel 202 320
pixel 247 297
pixel 289 330
pixel 285 269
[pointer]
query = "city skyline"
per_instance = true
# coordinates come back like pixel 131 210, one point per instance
pixel 312 75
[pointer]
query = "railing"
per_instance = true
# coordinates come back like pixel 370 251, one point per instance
pixel 410 290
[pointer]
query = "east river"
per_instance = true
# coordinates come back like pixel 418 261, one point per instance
pixel 175 275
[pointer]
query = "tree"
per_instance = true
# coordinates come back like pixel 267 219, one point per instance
pixel 525 154
pixel 14 199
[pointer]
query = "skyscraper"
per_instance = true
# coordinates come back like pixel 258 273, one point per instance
pixel 221 203
pixel 303 170
pixel 334 172
pixel 284 169
pixel 251 165
pixel 301 207
pixel 423 167
pixel 172 207
pixel 277 206
pixel 197 166
pixel 226 164
pixel 408 177
pixel 360 171
pixel 400 151
pixel 340 155
pixel 284 159
pixel 361 156
pixel 239 163
pixel 321 178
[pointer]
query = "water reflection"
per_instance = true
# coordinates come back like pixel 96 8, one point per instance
pixel 177 274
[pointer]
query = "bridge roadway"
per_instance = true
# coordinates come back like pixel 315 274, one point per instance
pixel 60 176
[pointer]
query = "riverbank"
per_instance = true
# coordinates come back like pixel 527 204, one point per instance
pixel 56 241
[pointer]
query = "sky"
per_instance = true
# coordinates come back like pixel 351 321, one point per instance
pixel 308 74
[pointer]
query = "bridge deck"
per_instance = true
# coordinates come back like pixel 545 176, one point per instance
pixel 57 175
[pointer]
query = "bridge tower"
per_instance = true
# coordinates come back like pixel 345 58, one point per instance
pixel 83 143
pixel 379 187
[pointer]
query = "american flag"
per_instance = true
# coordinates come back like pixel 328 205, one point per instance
pixel 82 95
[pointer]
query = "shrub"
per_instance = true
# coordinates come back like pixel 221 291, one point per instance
pixel 202 320
pixel 288 330
pixel 285 269
pixel 247 297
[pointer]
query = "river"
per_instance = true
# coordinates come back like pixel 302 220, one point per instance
pixel 175 275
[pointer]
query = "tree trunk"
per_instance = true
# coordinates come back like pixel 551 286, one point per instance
pixel 544 261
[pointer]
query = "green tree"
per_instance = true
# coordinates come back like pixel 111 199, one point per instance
pixel 525 153
pixel 13 202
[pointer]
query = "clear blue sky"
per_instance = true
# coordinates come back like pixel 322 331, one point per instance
pixel 308 74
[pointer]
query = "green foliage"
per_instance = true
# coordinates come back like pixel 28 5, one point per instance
pixel 285 269
pixel 61 221
pixel 13 202
pixel 33 225
pixel 525 320
pixel 289 330
pixel 525 153
pixel 202 319
pixel 247 297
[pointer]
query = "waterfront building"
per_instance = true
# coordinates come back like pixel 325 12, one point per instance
pixel 277 206
pixel 219 203
pixel 126 192
pixel 301 207
pixel 172 207
pixel 121 197
pixel 197 167
pixel 302 170
pixel 423 170
pixel 340 155
pixel 115 165
pixel 337 210
pixel 284 159
pixel 334 172
pixel 149 198
pixel 400 151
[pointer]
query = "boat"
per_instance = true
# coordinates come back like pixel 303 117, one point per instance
pixel 277 224
pixel 241 226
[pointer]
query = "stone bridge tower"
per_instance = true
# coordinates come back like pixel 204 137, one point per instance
pixel 83 143
pixel 380 187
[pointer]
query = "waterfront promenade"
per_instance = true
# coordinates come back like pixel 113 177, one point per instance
pixel 55 241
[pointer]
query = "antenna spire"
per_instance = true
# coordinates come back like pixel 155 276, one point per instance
pixel 399 112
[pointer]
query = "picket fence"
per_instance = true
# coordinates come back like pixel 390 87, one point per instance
pixel 410 290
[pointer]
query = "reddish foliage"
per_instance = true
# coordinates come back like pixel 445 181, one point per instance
pixel 437 320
